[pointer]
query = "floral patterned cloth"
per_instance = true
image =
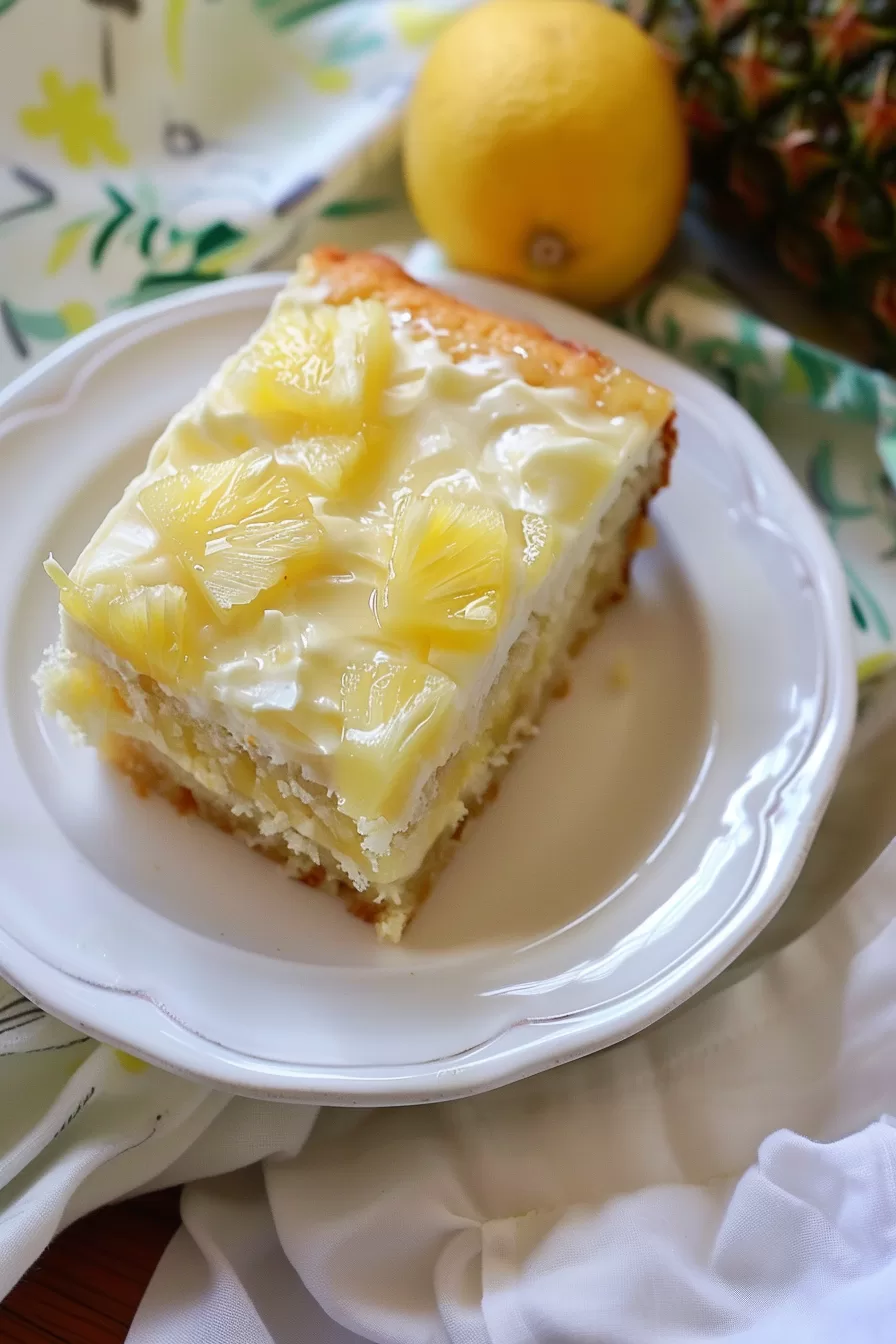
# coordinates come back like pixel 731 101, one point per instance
pixel 147 145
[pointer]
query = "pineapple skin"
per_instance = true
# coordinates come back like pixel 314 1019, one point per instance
pixel 791 108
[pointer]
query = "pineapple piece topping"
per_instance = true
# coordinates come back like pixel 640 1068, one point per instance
pixel 327 365
pixel 449 573
pixel 330 462
pixel 394 715
pixel 238 527
pixel 147 627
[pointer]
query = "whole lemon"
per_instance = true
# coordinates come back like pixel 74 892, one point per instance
pixel 544 143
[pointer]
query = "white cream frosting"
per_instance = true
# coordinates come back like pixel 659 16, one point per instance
pixel 471 428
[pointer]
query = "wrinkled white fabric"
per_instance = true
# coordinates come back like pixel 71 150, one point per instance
pixel 224 1276
pixel 82 1125
pixel 630 1198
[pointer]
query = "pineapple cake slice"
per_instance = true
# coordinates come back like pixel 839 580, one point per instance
pixel 339 596
pixel 449 571
pixel 237 527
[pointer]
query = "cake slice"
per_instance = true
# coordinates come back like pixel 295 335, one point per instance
pixel 336 600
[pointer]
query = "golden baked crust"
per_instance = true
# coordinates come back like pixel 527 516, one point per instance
pixel 541 358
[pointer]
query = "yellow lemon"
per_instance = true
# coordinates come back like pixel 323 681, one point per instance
pixel 544 143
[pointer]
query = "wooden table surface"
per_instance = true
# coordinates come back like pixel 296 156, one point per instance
pixel 87 1286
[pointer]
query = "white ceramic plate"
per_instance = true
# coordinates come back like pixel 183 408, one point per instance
pixel 637 846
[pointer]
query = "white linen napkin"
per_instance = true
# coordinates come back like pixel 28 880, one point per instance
pixel 631 1198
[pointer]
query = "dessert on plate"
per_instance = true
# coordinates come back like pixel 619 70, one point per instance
pixel 339 595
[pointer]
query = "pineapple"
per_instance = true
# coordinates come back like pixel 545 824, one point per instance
pixel 394 716
pixel 326 366
pixel 792 108
pixel 448 574
pixel 331 463
pixel 147 627
pixel 238 527
pixel 184 442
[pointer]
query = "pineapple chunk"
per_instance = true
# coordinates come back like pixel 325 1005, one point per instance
pixel 238 527
pixel 82 693
pixel 331 462
pixel 147 627
pixel 394 716
pixel 448 574
pixel 327 365
pixel 538 548
pixel 184 443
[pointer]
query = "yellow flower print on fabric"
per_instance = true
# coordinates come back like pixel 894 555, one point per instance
pixel 418 26
pixel 76 315
pixel 74 114
pixel 130 1063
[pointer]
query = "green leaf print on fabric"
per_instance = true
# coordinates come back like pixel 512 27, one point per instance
pixel 5 5
pixel 871 499
pixel 754 361
pixel 42 326
pixel 282 14
pixel 740 368
pixel 671 332
pixel 147 233
pixel 822 486
pixel 157 285
pixel 122 213
pixel 167 248
pixel 866 610
pixel 349 44
pixel 834 384
pixel 215 238
pixel 869 494
pixel 348 209
pixel 203 255
pixel 21 323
